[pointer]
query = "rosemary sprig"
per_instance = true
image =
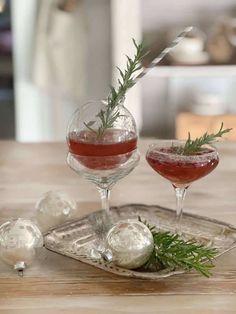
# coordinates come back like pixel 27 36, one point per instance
pixel 172 252
pixel 111 113
pixel 193 146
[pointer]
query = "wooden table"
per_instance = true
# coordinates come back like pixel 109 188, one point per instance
pixel 55 284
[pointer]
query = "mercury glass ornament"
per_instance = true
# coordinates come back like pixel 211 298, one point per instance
pixel 54 208
pixel 129 244
pixel 19 239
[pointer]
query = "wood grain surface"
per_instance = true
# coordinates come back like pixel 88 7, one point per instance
pixel 66 285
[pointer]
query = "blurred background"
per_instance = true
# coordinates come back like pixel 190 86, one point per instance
pixel 57 54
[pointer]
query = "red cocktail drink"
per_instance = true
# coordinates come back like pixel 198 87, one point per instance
pixel 102 144
pixel 179 169
pixel 167 158
pixel 109 151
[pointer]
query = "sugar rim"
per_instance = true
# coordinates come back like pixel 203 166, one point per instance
pixel 158 146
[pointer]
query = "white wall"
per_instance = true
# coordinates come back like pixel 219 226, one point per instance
pixel 30 104
pixel 160 14
pixel 126 24
pixel 42 115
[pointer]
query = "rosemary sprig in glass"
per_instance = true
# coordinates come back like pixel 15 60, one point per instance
pixel 111 113
pixel 194 146
pixel 172 252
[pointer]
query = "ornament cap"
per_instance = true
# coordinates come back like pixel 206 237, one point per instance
pixel 107 255
pixel 20 267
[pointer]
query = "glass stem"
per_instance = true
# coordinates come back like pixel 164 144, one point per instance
pixel 180 196
pixel 105 198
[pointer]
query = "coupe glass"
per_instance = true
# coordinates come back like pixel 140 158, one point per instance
pixel 181 170
pixel 106 158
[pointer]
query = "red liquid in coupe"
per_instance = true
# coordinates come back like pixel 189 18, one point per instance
pixel 110 152
pixel 181 170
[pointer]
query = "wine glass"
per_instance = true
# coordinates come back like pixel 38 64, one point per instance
pixel 102 155
pixel 181 170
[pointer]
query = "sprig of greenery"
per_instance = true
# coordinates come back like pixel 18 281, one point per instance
pixel 193 146
pixel 111 113
pixel 172 252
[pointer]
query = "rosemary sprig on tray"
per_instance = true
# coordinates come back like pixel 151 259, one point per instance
pixel 111 113
pixel 172 252
pixel 193 146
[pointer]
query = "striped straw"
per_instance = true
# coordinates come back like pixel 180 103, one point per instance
pixel 174 43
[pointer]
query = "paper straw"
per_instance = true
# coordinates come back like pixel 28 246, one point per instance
pixel 154 62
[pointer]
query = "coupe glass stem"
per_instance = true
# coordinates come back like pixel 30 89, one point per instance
pixel 180 196
pixel 103 224
pixel 105 198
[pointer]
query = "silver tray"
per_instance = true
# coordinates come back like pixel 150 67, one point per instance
pixel 78 239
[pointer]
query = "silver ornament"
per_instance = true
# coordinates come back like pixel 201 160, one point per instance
pixel 129 244
pixel 19 239
pixel 54 208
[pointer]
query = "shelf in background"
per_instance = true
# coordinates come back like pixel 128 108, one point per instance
pixel 193 71
pixel 198 124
